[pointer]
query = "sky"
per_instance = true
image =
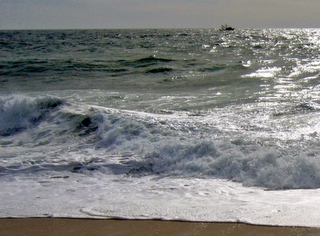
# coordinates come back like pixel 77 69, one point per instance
pixel 105 14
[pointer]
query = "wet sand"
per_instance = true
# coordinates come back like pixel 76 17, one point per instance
pixel 94 227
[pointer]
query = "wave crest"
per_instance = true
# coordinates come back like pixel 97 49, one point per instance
pixel 19 112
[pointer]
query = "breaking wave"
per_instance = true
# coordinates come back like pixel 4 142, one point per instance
pixel 146 144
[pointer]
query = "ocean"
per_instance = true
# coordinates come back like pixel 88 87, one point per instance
pixel 173 124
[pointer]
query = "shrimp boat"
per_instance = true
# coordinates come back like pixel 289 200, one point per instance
pixel 226 28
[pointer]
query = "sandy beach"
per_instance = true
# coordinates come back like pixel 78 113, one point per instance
pixel 93 227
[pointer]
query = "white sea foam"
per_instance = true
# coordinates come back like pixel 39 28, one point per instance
pixel 267 72
pixel 265 151
pixel 191 199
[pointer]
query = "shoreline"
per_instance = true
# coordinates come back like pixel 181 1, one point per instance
pixel 122 227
